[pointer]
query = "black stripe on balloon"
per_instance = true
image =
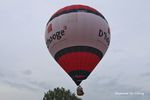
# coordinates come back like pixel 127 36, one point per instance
pixel 78 49
pixel 75 73
pixel 76 10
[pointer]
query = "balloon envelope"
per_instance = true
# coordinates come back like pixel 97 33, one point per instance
pixel 77 36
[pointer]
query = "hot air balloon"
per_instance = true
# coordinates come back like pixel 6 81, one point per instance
pixel 77 37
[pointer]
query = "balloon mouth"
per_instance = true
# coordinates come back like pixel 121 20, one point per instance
pixel 78 76
pixel 77 82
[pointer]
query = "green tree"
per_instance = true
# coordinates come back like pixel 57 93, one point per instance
pixel 60 94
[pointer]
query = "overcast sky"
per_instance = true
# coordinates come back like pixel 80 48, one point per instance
pixel 27 70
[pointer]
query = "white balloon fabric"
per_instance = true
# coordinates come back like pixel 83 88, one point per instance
pixel 77 36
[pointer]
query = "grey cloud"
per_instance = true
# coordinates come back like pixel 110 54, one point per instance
pixel 19 85
pixel 147 94
pixel 27 72
pixel 113 85
pixel 148 64
pixel 40 84
pixel 109 88
pixel 29 84
pixel 1 74
pixel 23 82
pixel 146 74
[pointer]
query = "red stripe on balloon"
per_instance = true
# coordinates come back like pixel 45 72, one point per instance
pixel 49 28
pixel 75 7
pixel 78 61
